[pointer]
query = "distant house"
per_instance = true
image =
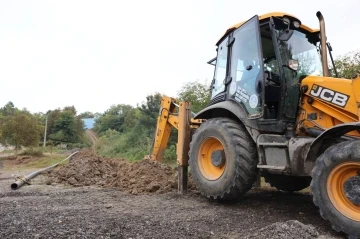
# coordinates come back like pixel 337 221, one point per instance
pixel 89 123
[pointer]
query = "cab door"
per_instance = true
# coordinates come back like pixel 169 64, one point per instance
pixel 246 76
pixel 220 68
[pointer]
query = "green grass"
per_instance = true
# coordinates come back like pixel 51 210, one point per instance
pixel 32 152
pixel 8 151
pixel 52 149
pixel 44 161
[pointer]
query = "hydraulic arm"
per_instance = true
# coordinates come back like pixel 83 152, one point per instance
pixel 178 115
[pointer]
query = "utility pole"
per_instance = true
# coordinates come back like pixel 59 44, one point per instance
pixel 44 145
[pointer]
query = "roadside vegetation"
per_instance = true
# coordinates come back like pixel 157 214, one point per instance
pixel 128 132
pixel 26 131
pixel 348 65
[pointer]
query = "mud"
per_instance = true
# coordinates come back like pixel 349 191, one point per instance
pixel 141 177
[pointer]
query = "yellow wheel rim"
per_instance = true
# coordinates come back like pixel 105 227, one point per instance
pixel 207 168
pixel 335 188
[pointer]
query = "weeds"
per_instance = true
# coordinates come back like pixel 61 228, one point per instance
pixel 38 152
pixel 124 145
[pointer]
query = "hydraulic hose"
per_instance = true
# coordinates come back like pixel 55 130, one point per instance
pixel 23 180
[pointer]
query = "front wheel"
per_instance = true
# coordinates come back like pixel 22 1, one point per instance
pixel 336 186
pixel 223 159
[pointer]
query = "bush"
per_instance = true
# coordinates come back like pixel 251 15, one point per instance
pixel 37 152
pixel 170 154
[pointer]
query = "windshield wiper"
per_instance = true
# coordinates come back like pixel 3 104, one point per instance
pixel 332 60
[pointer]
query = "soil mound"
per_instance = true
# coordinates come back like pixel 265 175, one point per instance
pixel 291 229
pixel 88 169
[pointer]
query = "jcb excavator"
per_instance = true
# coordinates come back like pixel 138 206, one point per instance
pixel 274 112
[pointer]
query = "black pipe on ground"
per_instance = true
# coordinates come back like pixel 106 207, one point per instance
pixel 23 180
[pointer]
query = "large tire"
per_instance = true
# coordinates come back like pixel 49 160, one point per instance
pixel 235 171
pixel 336 186
pixel 287 183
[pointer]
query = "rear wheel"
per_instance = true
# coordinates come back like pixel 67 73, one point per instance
pixel 223 159
pixel 287 183
pixel 336 186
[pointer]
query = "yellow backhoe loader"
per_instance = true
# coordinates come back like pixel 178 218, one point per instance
pixel 276 111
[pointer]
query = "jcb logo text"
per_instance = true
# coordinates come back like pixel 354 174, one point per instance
pixel 328 95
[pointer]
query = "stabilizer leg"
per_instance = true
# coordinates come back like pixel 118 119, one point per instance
pixel 183 146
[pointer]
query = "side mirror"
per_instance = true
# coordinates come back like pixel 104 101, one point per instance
pixel 283 25
pixel 293 65
pixel 286 35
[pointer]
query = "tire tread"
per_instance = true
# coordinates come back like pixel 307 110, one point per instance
pixel 245 162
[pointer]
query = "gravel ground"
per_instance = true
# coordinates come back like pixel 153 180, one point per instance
pixel 58 211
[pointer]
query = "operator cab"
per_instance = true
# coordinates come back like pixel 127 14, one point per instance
pixel 260 64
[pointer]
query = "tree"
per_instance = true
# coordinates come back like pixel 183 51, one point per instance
pixel 131 119
pixel 87 114
pixel 67 127
pixel 196 93
pixel 70 109
pixel 113 118
pixel 348 65
pixel 8 109
pixel 20 129
pixel 150 110
pixel 52 116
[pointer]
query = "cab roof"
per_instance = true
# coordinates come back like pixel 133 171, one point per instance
pixel 267 16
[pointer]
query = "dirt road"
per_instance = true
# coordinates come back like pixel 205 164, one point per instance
pixel 57 211
pixel 92 136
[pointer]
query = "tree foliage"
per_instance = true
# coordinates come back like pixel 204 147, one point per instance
pixel 149 111
pixel 113 118
pixel 8 109
pixel 20 128
pixel 65 126
pixel 196 93
pixel 87 114
pixel 348 65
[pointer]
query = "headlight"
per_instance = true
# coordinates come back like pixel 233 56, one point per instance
pixel 296 24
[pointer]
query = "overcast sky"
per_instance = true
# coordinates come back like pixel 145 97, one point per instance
pixel 92 54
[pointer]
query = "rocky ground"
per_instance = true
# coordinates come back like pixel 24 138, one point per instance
pixel 92 197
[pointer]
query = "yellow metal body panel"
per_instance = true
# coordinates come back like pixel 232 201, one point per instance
pixel 356 84
pixel 178 115
pixel 183 144
pixel 272 14
pixel 332 100
pixel 163 127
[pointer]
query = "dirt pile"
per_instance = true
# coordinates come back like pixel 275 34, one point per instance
pixel 88 169
pixel 291 229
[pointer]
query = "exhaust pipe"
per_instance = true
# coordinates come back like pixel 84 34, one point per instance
pixel 323 44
